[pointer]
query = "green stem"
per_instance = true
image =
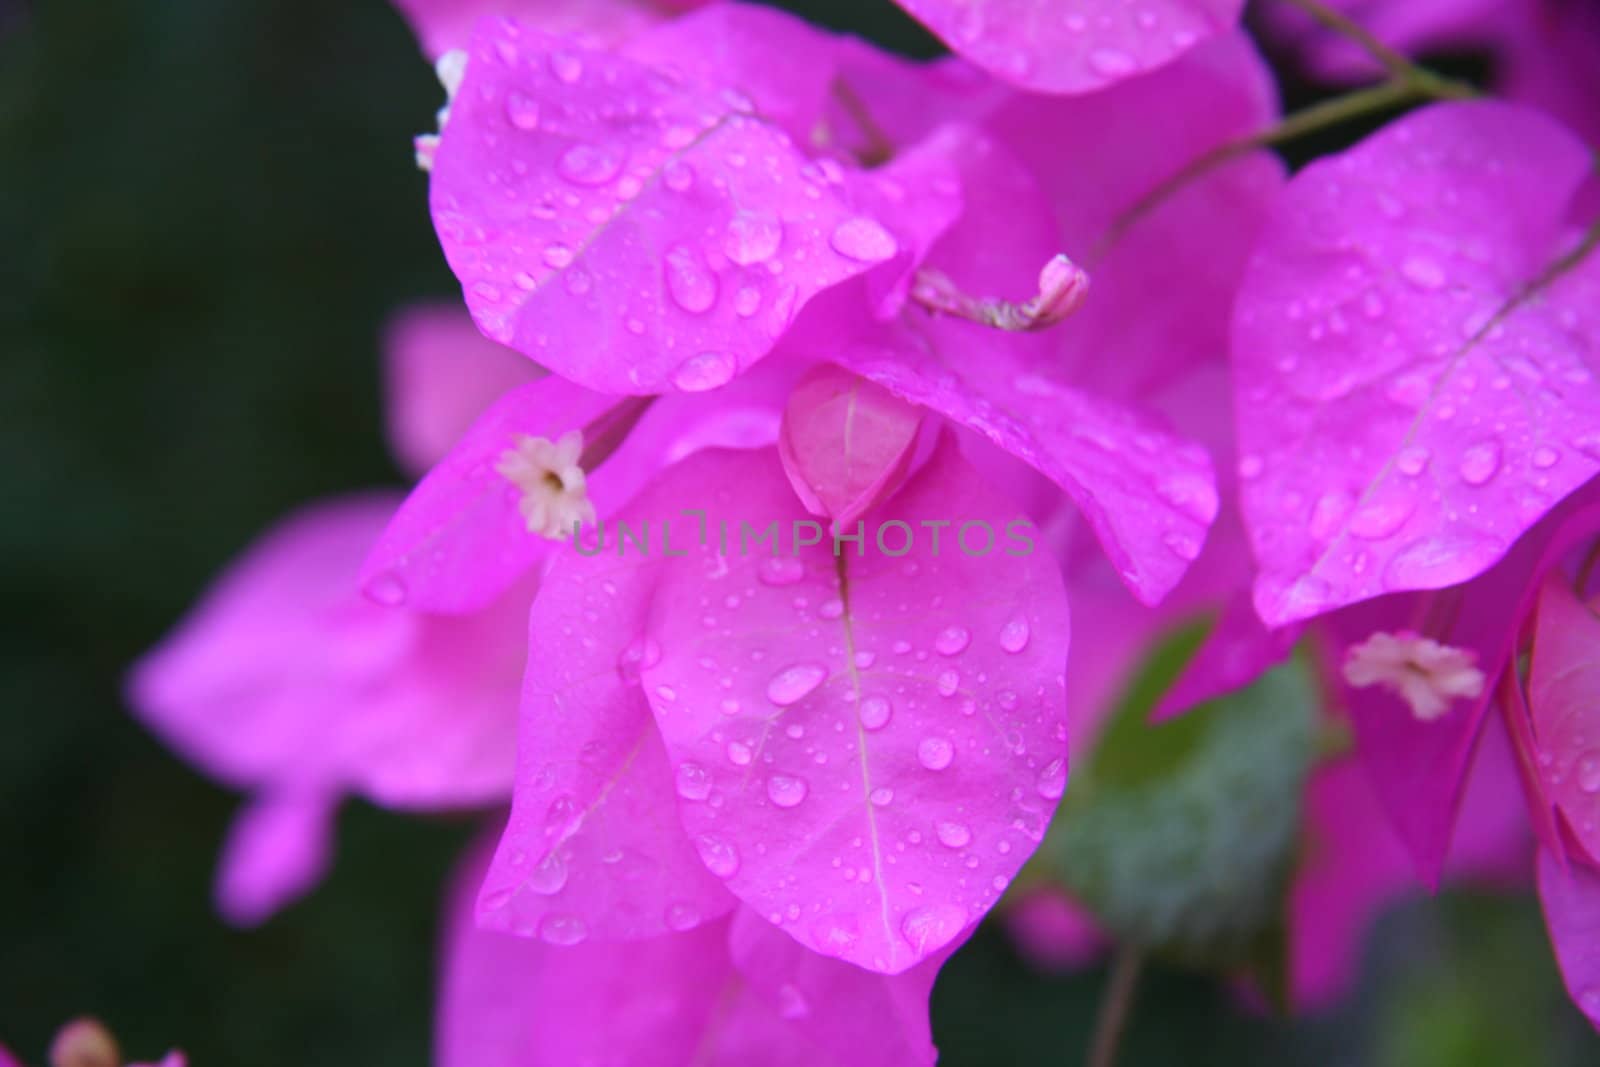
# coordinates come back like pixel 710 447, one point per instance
pixel 1115 1007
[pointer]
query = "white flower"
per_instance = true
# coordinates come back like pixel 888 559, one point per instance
pixel 1425 674
pixel 555 495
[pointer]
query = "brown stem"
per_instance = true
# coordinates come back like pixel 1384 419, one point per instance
pixel 1115 1007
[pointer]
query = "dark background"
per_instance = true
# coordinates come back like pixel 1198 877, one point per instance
pixel 207 208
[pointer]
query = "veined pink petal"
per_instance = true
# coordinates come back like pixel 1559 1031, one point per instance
pixel 443 25
pixel 669 1000
pixel 461 538
pixel 1563 683
pixel 278 848
pixel 593 848
pixel 846 443
pixel 440 374
pixel 1401 426
pixel 592 207
pixel 1571 898
pixel 286 675
pixel 1051 47
pixel 879 753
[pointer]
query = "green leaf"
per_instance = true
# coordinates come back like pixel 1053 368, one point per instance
pixel 1180 838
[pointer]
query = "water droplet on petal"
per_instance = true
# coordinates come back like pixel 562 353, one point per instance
pixel 637 656
pixel 1014 634
pixel 681 917
pixel 1052 780
pixel 707 370
pixel 387 589
pixel 720 858
pixel 566 66
pixel 1112 63
pixel 786 791
pixel 953 835
pixel 691 286
pixel 863 240
pixel 952 640
pixel 1589 772
pixel 522 111
pixel 780 570
pixel 935 753
pixel 586 164
pixel 753 237
pixel 549 876
pixel 739 754
pixel 795 683
pixel 1422 272
pixel 874 713
pixel 693 781
pixel 881 797
pixel 931 928
pixel 562 930
pixel 1480 462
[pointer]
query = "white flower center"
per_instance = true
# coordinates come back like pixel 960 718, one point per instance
pixel 1425 674
pixel 555 495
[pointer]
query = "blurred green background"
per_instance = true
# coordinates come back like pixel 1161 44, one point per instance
pixel 207 209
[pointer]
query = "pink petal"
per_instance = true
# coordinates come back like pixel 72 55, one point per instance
pixel 583 236
pixel 669 1000
pixel 1041 46
pixel 846 443
pixel 784 65
pixel 278 848
pixel 443 25
pixel 440 375
pixel 1149 495
pixel 1562 686
pixel 854 1016
pixel 1390 450
pixel 460 541
pixel 285 674
pixel 592 848
pixel 872 773
pixel 1571 898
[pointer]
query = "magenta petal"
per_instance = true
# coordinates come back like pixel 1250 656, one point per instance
pixel 855 1017
pixel 1571 898
pixel 1563 681
pixel 286 675
pixel 845 443
pixel 460 539
pixel 592 206
pixel 1389 446
pixel 784 65
pixel 440 375
pixel 592 848
pixel 1051 47
pixel 443 25
pixel 870 764
pixel 1149 495
pixel 1053 932
pixel 278 849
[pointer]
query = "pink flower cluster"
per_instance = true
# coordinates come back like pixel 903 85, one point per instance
pixel 729 272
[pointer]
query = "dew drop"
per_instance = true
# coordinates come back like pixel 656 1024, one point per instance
pixel 931 928
pixel 948 682
pixel 681 917
pixel 935 753
pixel 706 370
pixel 586 164
pixel 953 835
pixel 566 66
pixel 637 656
pixel 720 858
pixel 739 754
pixel 522 111
pixel 881 797
pixel 864 240
pixel 874 713
pixel 1112 63
pixel 691 286
pixel 794 683
pixel 1480 462
pixel 952 640
pixel 753 237
pixel 562 930
pixel 1422 272
pixel 1052 780
pixel 780 570
pixel 1589 772
pixel 693 781
pixel 786 791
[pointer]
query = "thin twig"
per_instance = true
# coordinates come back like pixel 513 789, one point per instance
pixel 1115 1007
